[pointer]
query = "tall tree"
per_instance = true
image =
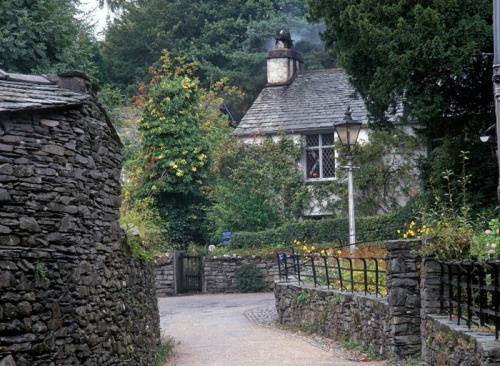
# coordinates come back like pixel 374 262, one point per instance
pixel 429 55
pixel 180 125
pixel 226 38
pixel 41 36
pixel 429 60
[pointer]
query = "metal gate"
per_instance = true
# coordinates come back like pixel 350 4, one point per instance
pixel 191 272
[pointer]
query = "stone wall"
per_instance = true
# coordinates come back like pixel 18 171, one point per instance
pixel 218 273
pixel 165 279
pixel 406 323
pixel 71 293
pixel 444 342
pixel 335 314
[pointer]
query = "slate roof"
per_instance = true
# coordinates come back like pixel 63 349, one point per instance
pixel 313 102
pixel 34 92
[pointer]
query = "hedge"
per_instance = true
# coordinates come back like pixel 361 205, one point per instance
pixel 322 231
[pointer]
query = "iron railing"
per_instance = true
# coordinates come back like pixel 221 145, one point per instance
pixel 354 274
pixel 470 291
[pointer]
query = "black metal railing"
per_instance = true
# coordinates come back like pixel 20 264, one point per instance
pixel 345 273
pixel 470 291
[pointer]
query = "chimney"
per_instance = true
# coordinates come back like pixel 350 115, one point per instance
pixel 283 62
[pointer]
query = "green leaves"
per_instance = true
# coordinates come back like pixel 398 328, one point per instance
pixel 258 185
pixel 429 56
pixel 43 36
pixel 180 127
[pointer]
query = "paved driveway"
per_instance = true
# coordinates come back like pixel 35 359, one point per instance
pixel 222 330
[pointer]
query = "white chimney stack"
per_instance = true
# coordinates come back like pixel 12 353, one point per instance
pixel 283 62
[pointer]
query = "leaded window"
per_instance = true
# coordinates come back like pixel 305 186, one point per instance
pixel 320 156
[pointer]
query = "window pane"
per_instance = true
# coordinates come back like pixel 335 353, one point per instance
pixel 312 163
pixel 312 140
pixel 328 139
pixel 328 162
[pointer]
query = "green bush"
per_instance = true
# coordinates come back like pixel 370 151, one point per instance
pixel 371 228
pixel 249 278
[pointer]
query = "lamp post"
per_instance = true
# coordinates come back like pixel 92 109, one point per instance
pixel 348 132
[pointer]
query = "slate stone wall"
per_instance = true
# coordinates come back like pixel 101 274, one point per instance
pixel 70 291
pixel 165 279
pixel 406 323
pixel 335 314
pixel 218 274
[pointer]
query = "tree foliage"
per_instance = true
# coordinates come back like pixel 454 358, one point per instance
pixel 42 36
pixel 180 124
pixel 428 55
pixel 387 173
pixel 226 38
pixel 422 61
pixel 258 185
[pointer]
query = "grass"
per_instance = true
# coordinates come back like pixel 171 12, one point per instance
pixel 408 361
pixel 167 346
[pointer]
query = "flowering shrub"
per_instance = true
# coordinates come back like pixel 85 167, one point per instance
pixel 414 232
pixel 487 243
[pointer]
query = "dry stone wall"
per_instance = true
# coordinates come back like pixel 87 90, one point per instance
pixel 70 291
pixel 405 323
pixel 218 273
pixel 165 279
pixel 334 314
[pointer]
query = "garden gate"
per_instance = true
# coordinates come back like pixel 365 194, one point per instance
pixel 191 271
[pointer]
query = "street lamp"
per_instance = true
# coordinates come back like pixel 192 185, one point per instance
pixel 348 132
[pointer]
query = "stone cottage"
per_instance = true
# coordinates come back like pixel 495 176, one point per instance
pixel 70 291
pixel 305 105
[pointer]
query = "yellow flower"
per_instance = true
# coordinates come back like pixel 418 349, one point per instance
pixel 339 252
pixel 193 169
pixel 179 173
pixel 313 248
pixel 304 247
pixel 322 251
pixel 153 188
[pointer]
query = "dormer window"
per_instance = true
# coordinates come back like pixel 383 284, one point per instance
pixel 319 156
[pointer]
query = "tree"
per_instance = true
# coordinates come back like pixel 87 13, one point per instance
pixel 226 38
pixel 430 56
pixel 428 60
pixel 179 125
pixel 42 36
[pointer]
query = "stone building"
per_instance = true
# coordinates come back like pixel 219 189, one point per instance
pixel 70 291
pixel 305 105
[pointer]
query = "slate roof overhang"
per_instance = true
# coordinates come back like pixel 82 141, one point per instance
pixel 313 102
pixel 33 92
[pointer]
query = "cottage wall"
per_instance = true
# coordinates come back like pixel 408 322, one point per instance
pixel 70 291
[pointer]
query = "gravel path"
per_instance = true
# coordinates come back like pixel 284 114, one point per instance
pixel 240 329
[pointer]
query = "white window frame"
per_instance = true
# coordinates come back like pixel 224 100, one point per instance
pixel 321 147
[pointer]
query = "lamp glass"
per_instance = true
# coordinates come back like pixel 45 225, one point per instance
pixel 348 132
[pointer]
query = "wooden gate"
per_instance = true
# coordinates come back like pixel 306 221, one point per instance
pixel 191 272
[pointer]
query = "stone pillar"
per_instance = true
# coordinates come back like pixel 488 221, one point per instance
pixel 429 292
pixel 403 277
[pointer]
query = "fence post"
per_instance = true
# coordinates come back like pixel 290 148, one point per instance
pixel 403 287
